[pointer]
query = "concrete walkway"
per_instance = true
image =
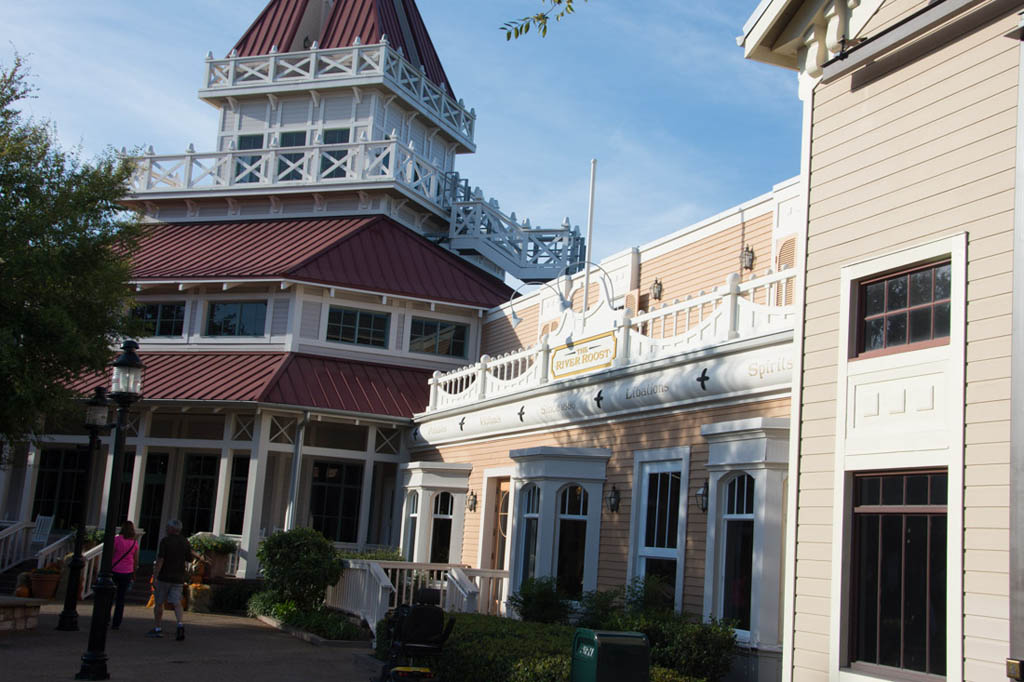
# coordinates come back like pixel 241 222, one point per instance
pixel 217 647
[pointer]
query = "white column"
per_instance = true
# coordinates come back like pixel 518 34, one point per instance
pixel 139 470
pixel 248 565
pixel 107 468
pixel 220 510
pixel 423 525
pixel 28 489
pixel 364 502
pixel 291 509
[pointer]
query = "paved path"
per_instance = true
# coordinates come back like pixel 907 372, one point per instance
pixel 217 647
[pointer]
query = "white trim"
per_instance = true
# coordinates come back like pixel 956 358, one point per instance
pixel 483 535
pixel 655 461
pixel 943 448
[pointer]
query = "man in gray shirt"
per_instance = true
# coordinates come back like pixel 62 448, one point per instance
pixel 172 555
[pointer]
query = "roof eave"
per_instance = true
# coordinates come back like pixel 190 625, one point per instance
pixel 757 40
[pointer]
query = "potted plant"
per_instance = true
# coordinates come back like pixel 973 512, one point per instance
pixel 44 581
pixel 217 549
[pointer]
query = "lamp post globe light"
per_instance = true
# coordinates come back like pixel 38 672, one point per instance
pixel 97 410
pixel 125 389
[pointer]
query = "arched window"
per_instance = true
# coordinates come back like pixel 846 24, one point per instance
pixel 572 539
pixel 530 521
pixel 412 502
pixel 441 530
pixel 738 550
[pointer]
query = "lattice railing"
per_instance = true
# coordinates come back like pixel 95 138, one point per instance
pixel 358 64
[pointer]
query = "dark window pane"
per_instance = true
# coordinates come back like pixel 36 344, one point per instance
pixel 938 486
pixel 920 325
pixel 942 282
pixel 874 298
pixel 892 490
pixel 921 287
pixel 652 511
pixel 246 142
pixel 890 581
pixel 294 138
pixel 941 320
pixel 438 337
pixel 873 334
pixel 866 588
pixel 896 293
pixel 336 136
pixel 739 556
pixel 572 536
pixel 895 329
pixel 917 489
pixel 664 573
pixel 530 548
pixel 915 584
pixel 937 596
pixel 440 541
pixel 868 490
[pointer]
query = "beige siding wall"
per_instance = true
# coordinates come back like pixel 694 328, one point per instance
pixel 500 336
pixel 925 151
pixel 623 438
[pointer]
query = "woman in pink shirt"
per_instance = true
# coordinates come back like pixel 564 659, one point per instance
pixel 126 561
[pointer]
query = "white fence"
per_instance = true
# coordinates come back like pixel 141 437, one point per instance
pixel 735 310
pixel 357 64
pixel 14 541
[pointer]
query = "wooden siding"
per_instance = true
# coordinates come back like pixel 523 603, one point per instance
pixel 622 438
pixel 926 151
pixel 500 337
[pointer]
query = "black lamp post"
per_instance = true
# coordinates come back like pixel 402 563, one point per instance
pixel 96 418
pixel 126 386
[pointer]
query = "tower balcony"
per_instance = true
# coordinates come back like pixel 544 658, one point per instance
pixel 313 168
pixel 357 65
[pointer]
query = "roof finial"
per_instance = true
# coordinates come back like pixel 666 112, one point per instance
pixel 273 49
pixel 565 223
pixel 190 149
pixel 209 55
pixel 234 53
pixel 384 39
pixel 393 134
pixel 357 41
pixel 150 151
pixel 315 45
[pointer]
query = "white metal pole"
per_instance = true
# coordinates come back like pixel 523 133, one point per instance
pixel 590 234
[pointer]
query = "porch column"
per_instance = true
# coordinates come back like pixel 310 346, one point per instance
pixel 248 565
pixel 220 510
pixel 139 470
pixel 29 486
pixel 364 502
pixel 291 512
pixel 424 524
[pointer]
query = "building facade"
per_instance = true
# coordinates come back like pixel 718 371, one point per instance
pixel 900 559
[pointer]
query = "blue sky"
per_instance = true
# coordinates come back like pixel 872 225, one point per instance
pixel 681 125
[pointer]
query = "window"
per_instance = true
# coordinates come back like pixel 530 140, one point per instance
pixel 898 600
pixel 247 166
pixel 531 521
pixel 358 326
pixel 237 318
pixel 199 492
pixel 334 162
pixel 337 435
pixel 61 485
pixel 290 166
pixel 161 319
pixel 334 499
pixel 738 551
pixel 572 540
pixel 236 495
pixel 412 503
pixel 441 533
pixel 660 525
pixel 438 337
pixel 904 311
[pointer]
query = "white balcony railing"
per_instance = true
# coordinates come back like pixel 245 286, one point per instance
pixel 735 310
pixel 337 67
pixel 387 161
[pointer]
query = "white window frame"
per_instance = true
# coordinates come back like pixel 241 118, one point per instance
pixel 659 460
pixel 436 513
pixel 238 298
pixel 568 516
pixel 412 502
pixel 428 479
pixel 723 520
pixel 525 498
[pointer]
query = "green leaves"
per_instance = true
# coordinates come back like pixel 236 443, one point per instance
pixel 520 27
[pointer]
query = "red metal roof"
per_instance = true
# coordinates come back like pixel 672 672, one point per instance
pixel 369 253
pixel 400 20
pixel 280 378
pixel 274 27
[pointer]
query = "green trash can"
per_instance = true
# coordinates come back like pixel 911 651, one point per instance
pixel 606 656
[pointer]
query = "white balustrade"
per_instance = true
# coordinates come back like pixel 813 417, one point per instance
pixel 490 584
pixel 14 544
pixel 337 67
pixel 91 569
pixel 734 310
pixel 364 590
pixel 463 594
pixel 55 551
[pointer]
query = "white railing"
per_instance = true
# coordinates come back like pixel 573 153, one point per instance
pixel 355 65
pixel 364 589
pixel 531 254
pixel 490 584
pixel 55 551
pixel 463 594
pixel 14 544
pixel 317 165
pixel 91 569
pixel 754 308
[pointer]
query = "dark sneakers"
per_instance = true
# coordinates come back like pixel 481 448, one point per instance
pixel 155 632
pixel 180 637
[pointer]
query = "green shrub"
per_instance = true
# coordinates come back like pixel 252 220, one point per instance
pixel 539 600
pixel 598 608
pixel 208 543
pixel 325 623
pixel 379 554
pixel 262 603
pixel 682 643
pixel 488 647
pixel 555 668
pixel 659 674
pixel 299 564
pixel 649 594
pixel 233 596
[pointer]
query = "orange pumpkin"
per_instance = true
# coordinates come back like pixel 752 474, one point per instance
pixel 23 591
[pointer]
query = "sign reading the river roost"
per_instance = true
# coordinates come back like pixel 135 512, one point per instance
pixel 585 355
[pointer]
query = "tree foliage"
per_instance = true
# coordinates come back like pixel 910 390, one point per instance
pixel 65 247
pixel 520 27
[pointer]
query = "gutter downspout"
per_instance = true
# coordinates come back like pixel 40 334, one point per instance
pixel 293 485
pixel 1016 651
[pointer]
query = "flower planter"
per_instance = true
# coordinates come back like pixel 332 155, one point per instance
pixel 44 585
pixel 218 565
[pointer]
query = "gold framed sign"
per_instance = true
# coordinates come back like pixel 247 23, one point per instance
pixel 585 355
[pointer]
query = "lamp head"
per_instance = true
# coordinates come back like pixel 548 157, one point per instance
pixel 126 378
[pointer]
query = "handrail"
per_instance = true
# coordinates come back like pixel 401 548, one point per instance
pixel 55 550
pixel 734 310
pixel 464 598
pixel 14 544
pixel 93 556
